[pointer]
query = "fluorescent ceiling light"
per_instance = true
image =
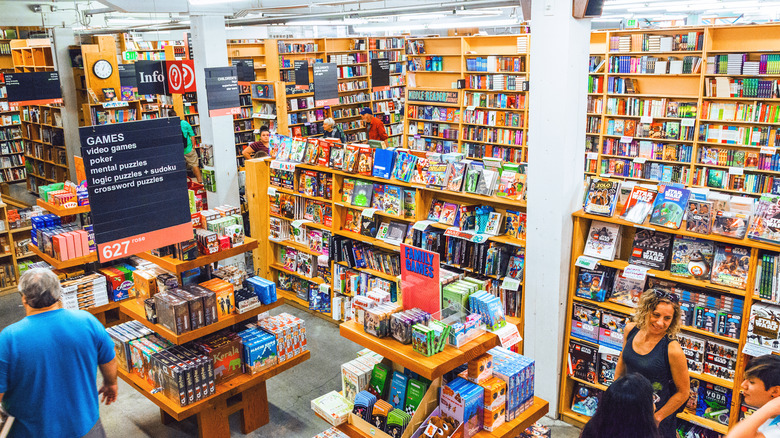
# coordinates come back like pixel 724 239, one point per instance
pixel 210 2
pixel 440 25
pixel 135 21
pixel 478 12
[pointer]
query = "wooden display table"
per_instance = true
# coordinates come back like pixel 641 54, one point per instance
pixel 435 366
pixel 243 392
pixel 178 266
pixel 62 211
pixel 59 264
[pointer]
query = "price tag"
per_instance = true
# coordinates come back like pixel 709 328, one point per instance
pixel 510 284
pixel 593 155
pixel 755 350
pixel 397 111
pixel 736 171
pixel 187 104
pixel 471 108
pixel 453 232
pixel 688 121
pixel 416 135
pixel 768 150
pixel 646 119
pixel 307 124
pixel 272 191
pixel 297 223
pixel 283 165
pixel 508 335
pixel 421 225
pixel 606 350
pixel 369 212
pixel 606 175
pixel 387 113
pixel 625 139
pixel 634 272
pixel 586 262
pixel 640 160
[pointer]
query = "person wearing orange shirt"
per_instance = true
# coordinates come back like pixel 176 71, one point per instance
pixel 374 127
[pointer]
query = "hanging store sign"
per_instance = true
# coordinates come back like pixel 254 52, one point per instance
pixel 181 76
pixel 326 84
pixel 380 74
pixel 420 279
pixel 150 77
pixel 39 88
pixel 222 91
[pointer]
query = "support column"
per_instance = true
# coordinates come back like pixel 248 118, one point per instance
pixel 210 50
pixel 63 38
pixel 558 92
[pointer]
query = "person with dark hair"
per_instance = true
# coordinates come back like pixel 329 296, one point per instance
pixel 651 349
pixel 190 155
pixel 259 149
pixel 761 389
pixel 625 410
pixel 49 362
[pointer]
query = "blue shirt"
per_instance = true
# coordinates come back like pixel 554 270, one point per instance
pixel 48 372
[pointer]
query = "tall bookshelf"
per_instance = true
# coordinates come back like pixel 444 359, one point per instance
pixel 351 58
pixel 387 104
pixel 595 109
pixel 243 123
pixel 582 224
pixel 44 144
pixel 304 118
pixel 262 53
pixel 12 162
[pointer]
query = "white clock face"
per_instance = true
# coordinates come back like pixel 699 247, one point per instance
pixel 102 69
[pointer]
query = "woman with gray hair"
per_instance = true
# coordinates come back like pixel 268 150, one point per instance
pixel 50 359
pixel 333 131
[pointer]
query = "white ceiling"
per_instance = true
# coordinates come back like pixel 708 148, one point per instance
pixel 363 15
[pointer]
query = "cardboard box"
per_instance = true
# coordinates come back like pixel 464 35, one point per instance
pixel 172 312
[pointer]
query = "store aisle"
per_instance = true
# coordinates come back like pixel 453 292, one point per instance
pixel 289 394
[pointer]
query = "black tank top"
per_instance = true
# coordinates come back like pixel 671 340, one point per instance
pixel 655 367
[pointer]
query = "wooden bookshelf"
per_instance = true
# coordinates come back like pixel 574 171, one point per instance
pixel 177 266
pixel 582 223
pixel 351 57
pixel 136 311
pixel 62 211
pixel 59 264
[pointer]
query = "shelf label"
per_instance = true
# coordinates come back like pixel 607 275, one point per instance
pixel 283 165
pixel 755 349
pixel 607 350
pixel 635 272
pixel 421 225
pixel 768 150
pixel 471 108
pixel 369 212
pixel 736 171
pixel 510 283
pixel 272 191
pixel 625 139
pixel 593 155
pixel 606 175
pixel 640 160
pixel 688 121
pixel 298 222
pixel 586 262
pixel 508 335
pixel 115 104
pixel 646 119
pixel 466 235
pixel 387 113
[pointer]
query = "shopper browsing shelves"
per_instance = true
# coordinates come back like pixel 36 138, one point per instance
pixel 333 131
pixel 761 389
pixel 190 156
pixel 258 149
pixel 374 127
pixel 652 350
pixel 626 409
pixel 48 363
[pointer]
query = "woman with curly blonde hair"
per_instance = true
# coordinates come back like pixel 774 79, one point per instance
pixel 651 349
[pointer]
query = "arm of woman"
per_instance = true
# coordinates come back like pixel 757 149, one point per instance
pixel 679 367
pixel 620 368
pixel 247 152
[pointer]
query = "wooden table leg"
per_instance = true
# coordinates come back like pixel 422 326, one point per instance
pixel 213 421
pixel 165 418
pixel 255 411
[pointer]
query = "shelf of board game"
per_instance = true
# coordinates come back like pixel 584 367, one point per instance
pixel 366 239
pixel 296 245
pixel 681 232
pixel 709 424
pixel 232 386
pixel 710 334
pixel 585 382
pixel 59 264
pixel 178 266
pixel 666 275
pixel 403 354
pixel 136 311
pixel 62 211
pixel 712 379
pixel 371 272
pixel 294 301
pixel 278 267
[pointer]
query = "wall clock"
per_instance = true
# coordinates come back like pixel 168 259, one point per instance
pixel 102 69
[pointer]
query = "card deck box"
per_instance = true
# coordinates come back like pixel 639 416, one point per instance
pixel 166 281
pixel 224 352
pixel 195 304
pixel 172 312
pixel 150 309
pixel 144 284
pixel 208 241
pixel 187 250
pixel 493 418
pixel 225 297
pixel 495 393
pixel 481 368
pixel 119 287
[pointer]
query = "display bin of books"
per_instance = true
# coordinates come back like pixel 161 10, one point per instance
pixel 716 252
